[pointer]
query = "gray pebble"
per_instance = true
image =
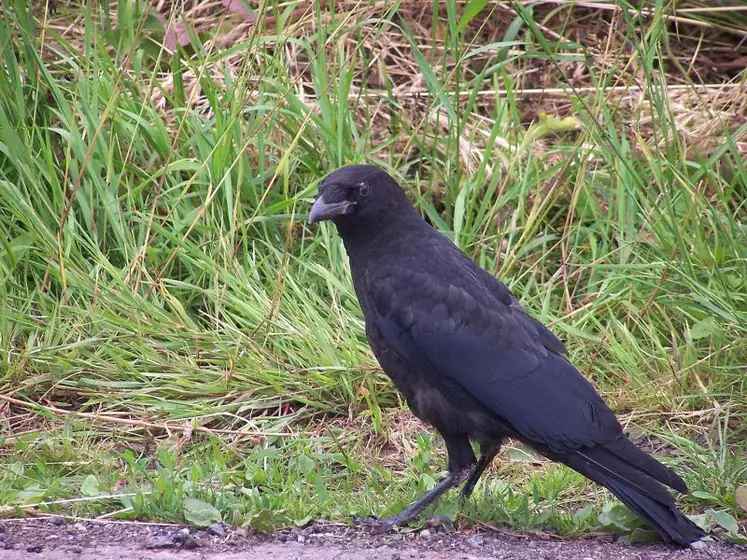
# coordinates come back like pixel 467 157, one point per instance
pixel 217 529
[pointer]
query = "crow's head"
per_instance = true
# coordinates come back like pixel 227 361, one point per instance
pixel 357 193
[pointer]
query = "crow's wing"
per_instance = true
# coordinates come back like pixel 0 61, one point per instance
pixel 490 352
pixel 503 295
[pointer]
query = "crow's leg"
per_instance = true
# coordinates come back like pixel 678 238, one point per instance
pixel 412 511
pixel 486 457
pixel 461 464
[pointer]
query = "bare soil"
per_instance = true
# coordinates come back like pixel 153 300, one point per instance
pixel 53 539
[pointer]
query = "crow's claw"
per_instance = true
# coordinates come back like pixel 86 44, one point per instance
pixel 441 522
pixel 381 526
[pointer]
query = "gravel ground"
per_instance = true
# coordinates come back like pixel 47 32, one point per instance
pixel 53 539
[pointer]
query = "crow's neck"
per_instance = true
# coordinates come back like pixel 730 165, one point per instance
pixel 366 240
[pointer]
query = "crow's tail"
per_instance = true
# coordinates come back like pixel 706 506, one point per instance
pixel 635 478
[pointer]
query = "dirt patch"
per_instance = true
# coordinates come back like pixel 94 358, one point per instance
pixel 52 539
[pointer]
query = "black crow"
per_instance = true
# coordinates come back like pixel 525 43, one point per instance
pixel 472 363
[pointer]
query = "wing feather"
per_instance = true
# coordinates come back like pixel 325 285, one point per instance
pixel 495 354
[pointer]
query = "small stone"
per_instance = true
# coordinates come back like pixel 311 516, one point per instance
pixel 475 541
pixel 185 539
pixel 217 529
pixel 190 543
pixel 425 533
pixel 36 549
pixel 698 545
pixel 80 527
pixel 301 538
pixel 623 540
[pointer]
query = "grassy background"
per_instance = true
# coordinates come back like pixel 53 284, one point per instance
pixel 177 344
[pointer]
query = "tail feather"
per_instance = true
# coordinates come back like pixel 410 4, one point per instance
pixel 628 452
pixel 670 523
pixel 635 478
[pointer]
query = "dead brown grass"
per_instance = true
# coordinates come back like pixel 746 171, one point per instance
pixel 704 56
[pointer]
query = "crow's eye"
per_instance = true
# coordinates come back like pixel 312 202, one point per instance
pixel 363 190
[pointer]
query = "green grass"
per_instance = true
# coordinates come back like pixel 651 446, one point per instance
pixel 171 329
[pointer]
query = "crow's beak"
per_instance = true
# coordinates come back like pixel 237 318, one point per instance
pixel 321 210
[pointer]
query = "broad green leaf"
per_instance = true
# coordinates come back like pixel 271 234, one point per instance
pixel 617 517
pixel 200 513
pixel 90 486
pixel 703 521
pixel 703 328
pixel 725 519
pixel 30 495
pixel 582 516
pixel 640 535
